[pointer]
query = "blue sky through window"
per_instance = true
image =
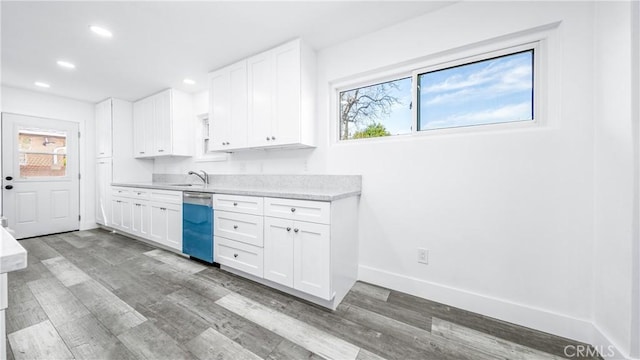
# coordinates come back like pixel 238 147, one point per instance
pixel 485 92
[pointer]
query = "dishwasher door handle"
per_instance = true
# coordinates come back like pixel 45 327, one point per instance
pixel 198 196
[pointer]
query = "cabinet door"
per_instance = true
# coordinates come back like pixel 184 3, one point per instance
pixel 285 125
pixel 125 209
pixel 116 213
pixel 260 76
pixel 279 251
pixel 219 109
pixel 312 259
pixel 158 223
pixel 162 123
pixel 103 192
pixel 103 129
pixel 143 128
pixel 140 219
pixel 174 226
pixel 238 106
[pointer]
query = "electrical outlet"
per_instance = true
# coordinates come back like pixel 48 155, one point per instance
pixel 423 256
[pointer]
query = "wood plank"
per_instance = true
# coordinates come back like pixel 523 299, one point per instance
pixel 88 339
pixel 115 314
pixel 57 301
pixel 368 355
pixel 177 321
pixel 314 340
pixel 372 291
pixel 287 350
pixel 146 341
pixel 495 346
pixel 383 324
pixel 501 329
pixel 254 338
pixel 39 341
pixel 24 310
pixel 213 345
pixel 65 271
pixel 414 318
pixel 175 261
pixel 36 247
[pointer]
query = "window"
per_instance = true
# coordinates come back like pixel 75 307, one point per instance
pixel 381 109
pixel 490 91
pixel 42 153
pixel 494 88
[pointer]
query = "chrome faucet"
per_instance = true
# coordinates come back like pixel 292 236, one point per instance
pixel 204 177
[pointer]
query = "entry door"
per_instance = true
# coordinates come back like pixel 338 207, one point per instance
pixel 40 186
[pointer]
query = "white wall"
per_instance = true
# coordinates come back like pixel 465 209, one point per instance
pixel 614 175
pixel 33 103
pixel 509 217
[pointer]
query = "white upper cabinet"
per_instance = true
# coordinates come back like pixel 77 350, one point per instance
pixel 228 108
pixel 163 125
pixel 279 97
pixel 103 129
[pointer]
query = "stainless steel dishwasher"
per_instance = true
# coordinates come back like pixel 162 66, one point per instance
pixel 197 225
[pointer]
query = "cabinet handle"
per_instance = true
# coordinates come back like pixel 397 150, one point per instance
pixel 235 226
pixel 160 150
pixel 163 209
pixel 293 209
pixel 101 153
pixel 223 143
pixel 235 204
pixel 296 230
pixel 268 138
pixel 141 152
pixel 235 255
pixel 273 138
pixel 288 229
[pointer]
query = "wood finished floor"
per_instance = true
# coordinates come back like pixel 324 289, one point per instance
pixel 98 295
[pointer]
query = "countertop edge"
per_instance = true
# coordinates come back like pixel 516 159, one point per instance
pixel 13 256
pixel 335 195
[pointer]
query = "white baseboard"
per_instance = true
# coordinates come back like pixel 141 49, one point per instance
pixel 582 330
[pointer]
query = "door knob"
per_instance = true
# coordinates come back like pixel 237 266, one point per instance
pixel 9 178
pixel 9 187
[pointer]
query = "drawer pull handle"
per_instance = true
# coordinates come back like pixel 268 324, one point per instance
pixel 141 152
pixel 295 230
pixel 235 204
pixel 235 255
pixel 235 226
pixel 288 229
pixel 273 138
pixel 268 138
pixel 293 209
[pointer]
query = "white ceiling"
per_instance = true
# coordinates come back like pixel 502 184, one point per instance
pixel 155 45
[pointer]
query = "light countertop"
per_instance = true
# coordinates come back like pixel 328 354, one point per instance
pixel 12 255
pixel 289 192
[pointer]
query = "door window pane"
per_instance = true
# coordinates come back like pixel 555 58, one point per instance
pixel 377 110
pixel 495 90
pixel 42 153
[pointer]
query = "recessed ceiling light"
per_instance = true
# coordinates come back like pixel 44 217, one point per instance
pixel 42 85
pixel 188 81
pixel 66 64
pixel 100 31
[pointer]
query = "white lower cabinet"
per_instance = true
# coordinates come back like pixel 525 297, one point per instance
pixel 297 254
pixel 308 248
pixel 140 218
pixel 148 213
pixel 121 213
pixel 166 224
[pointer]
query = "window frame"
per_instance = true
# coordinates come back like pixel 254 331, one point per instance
pixel 512 50
pixel 542 40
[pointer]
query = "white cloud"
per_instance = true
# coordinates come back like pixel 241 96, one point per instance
pixel 511 112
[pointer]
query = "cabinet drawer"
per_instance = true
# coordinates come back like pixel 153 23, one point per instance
pixel 142 194
pixel 245 228
pixel 237 203
pixel 238 255
pixel 166 196
pixel 302 210
pixel 120 191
